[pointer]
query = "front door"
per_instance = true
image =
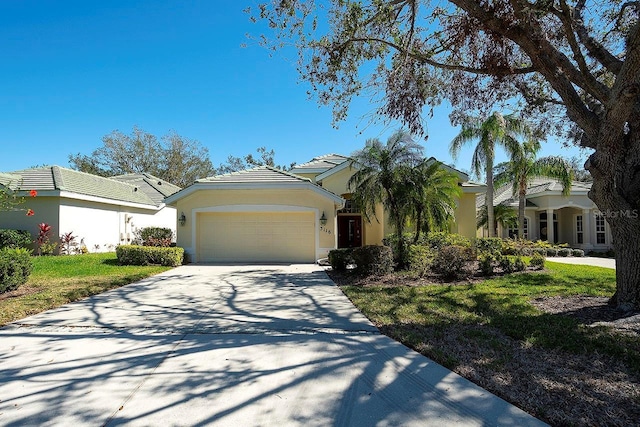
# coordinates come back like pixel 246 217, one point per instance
pixel 349 231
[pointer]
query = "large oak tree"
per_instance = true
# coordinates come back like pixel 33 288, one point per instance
pixel 573 65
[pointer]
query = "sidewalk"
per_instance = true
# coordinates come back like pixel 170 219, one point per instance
pixel 588 260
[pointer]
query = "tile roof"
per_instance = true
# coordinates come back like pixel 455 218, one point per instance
pixel 260 174
pixel 323 163
pixel 503 195
pixel 157 189
pixel 57 178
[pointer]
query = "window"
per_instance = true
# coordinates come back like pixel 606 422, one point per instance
pixel 349 207
pixel 513 231
pixel 579 230
pixel 600 227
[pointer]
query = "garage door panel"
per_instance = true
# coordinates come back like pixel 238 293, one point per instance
pixel 256 237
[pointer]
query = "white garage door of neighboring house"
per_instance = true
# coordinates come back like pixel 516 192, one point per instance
pixel 256 237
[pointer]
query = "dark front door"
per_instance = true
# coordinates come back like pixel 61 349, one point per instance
pixel 349 231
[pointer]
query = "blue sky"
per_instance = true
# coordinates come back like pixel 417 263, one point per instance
pixel 74 71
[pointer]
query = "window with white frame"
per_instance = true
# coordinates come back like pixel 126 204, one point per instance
pixel 600 230
pixel 579 230
pixel 513 230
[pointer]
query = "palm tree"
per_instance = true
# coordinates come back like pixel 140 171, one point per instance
pixel 497 129
pixel 432 197
pixel 524 167
pixel 381 178
pixel 503 215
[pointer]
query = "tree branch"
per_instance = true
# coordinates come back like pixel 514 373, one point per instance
pixel 595 48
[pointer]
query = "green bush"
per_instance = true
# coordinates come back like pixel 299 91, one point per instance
pixel 540 251
pixel 564 252
pixel 486 263
pixel 149 255
pixel 508 264
pixel 520 264
pixel 421 259
pixel 577 252
pixel 15 239
pixel 439 239
pixel 451 261
pixel 340 258
pixel 552 252
pixel 15 268
pixel 154 236
pixel 487 245
pixel 537 261
pixel 373 260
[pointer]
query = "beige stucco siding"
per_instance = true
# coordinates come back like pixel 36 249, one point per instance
pixel 338 183
pixel 465 215
pixel 286 200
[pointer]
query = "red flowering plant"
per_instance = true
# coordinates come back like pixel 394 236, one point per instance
pixel 10 200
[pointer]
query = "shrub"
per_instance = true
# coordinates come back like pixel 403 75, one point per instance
pixel 552 251
pixel 439 239
pixel 373 259
pixel 488 245
pixel 564 252
pixel 540 251
pixel 340 258
pixel 577 252
pixel 537 261
pixel 154 236
pixel 68 244
pixel 45 247
pixel 508 264
pixel 486 263
pixel 149 255
pixel 15 239
pixel 520 264
pixel 420 259
pixel 509 247
pixel 451 261
pixel 15 268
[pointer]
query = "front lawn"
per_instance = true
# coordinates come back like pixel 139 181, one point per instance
pixel 57 280
pixel 520 337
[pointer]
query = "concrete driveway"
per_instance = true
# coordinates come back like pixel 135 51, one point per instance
pixel 230 346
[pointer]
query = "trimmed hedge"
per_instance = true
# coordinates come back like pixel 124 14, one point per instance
pixel 340 258
pixel 564 252
pixel 537 261
pixel 577 252
pixel 15 239
pixel 15 268
pixel 149 255
pixel 373 260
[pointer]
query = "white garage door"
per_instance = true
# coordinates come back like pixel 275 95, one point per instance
pixel 256 237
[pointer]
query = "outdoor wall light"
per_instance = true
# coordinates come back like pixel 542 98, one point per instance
pixel 182 219
pixel 323 219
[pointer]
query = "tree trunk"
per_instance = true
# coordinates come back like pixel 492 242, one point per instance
pixel 615 168
pixel 521 204
pixel 489 199
pixel 627 248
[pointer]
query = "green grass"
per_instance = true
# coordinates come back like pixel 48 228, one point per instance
pixel 57 280
pixel 419 315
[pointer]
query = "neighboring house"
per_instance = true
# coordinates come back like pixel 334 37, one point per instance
pixel 550 216
pixel 268 215
pixel 102 212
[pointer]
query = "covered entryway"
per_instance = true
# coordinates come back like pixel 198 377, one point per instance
pixel 256 237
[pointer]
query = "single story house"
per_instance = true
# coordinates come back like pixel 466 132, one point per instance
pixel 550 216
pixel 269 215
pixel 100 212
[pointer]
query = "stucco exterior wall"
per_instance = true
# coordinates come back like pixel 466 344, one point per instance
pixel 46 209
pixel 270 199
pixel 465 215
